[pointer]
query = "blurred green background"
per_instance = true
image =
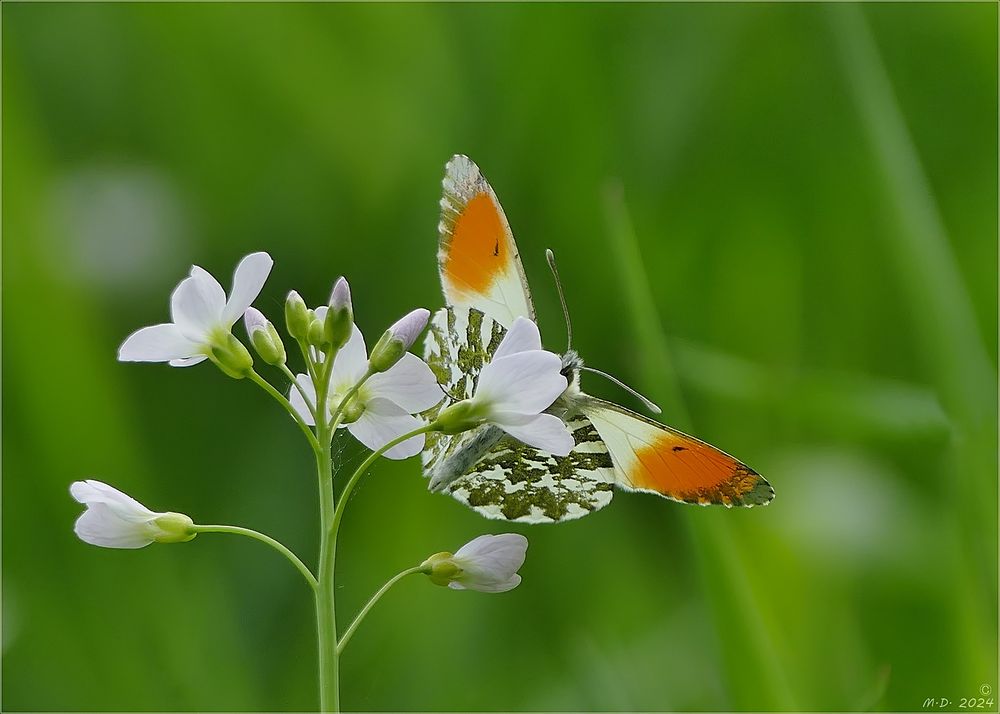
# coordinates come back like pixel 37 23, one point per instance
pixel 778 220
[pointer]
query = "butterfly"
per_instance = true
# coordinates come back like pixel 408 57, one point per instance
pixel 485 290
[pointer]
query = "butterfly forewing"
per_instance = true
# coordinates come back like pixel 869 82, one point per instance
pixel 654 458
pixel 477 257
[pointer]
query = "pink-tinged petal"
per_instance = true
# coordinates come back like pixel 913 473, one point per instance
pixel 188 361
pixel 298 403
pixel 253 319
pixel 340 297
pixel 545 432
pixel 410 383
pixel 351 362
pixel 248 281
pixel 408 328
pixel 526 382
pixel 383 421
pixel 521 337
pixel 157 343
pixel 196 305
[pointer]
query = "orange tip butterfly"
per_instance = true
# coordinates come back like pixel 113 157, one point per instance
pixel 485 290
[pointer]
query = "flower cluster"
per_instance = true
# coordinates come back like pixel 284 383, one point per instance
pixel 377 395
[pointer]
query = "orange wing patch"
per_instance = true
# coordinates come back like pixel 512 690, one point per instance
pixel 477 257
pixel 649 456
pixel 479 247
pixel 689 470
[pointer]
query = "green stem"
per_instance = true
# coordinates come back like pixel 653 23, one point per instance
pixel 236 530
pixel 326 612
pixel 346 637
pixel 326 607
pixel 280 398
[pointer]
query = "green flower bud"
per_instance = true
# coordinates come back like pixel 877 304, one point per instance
pixel 440 568
pixel 264 338
pixel 459 417
pixel 231 356
pixel 340 317
pixel 297 318
pixel 317 333
pixel 173 528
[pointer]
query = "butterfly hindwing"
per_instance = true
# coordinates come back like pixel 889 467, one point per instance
pixel 477 257
pixel 517 482
pixel 498 476
pixel 654 458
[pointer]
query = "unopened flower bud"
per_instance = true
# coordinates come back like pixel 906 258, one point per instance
pixel 173 528
pixel 264 338
pixel 296 316
pixel 488 564
pixel 440 568
pixel 397 340
pixel 232 357
pixel 459 417
pixel 316 334
pixel 116 520
pixel 339 321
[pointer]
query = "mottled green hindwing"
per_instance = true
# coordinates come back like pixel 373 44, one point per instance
pixel 509 480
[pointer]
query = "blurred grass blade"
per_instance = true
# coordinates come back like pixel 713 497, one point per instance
pixel 754 672
pixel 945 322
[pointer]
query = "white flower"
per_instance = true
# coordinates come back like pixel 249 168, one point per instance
pixel 114 520
pixel 514 388
pixel 488 564
pixel 383 407
pixel 202 316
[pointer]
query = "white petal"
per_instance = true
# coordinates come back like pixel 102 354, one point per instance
pixel 410 383
pixel 92 491
pixel 196 304
pixel 521 337
pixel 526 382
pixel 298 403
pixel 157 343
pixel 491 560
pixel 383 421
pixel 351 362
pixel 321 312
pixel 248 281
pixel 503 587
pixel 188 361
pixel 544 431
pixel 100 525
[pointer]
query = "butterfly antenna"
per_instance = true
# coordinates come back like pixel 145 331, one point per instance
pixel 646 402
pixel 551 257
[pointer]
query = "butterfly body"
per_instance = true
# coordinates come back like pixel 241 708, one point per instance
pixel 485 290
